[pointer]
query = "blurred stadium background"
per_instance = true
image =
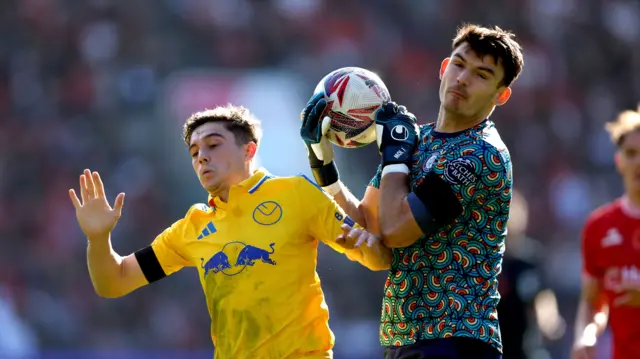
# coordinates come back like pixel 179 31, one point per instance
pixel 107 84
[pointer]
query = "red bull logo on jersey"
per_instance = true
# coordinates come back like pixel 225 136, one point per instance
pixel 615 277
pixel 235 257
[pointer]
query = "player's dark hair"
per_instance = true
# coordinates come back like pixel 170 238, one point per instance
pixel 496 42
pixel 627 122
pixel 237 119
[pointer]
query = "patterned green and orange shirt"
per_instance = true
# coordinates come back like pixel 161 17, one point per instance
pixel 446 284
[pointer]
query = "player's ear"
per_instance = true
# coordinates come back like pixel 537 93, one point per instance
pixel 443 66
pixel 617 159
pixel 503 96
pixel 251 149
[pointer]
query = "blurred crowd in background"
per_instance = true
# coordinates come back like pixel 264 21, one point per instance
pixel 106 85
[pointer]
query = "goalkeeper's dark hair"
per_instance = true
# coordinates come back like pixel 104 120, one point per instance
pixel 496 42
pixel 237 119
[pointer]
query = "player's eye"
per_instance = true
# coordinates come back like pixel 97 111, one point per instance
pixel 457 64
pixel 483 76
pixel 212 146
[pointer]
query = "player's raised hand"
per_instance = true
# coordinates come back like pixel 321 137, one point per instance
pixel 95 216
pixel 396 134
pixel 353 237
pixel 313 130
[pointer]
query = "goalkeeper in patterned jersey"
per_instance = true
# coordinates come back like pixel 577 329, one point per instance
pixel 254 245
pixel 441 200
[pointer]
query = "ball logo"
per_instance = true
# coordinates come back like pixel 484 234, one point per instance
pixel 400 133
pixel 267 213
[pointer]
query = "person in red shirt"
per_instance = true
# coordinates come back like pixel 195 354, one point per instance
pixel 611 256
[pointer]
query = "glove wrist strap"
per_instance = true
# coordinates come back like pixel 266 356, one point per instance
pixel 326 175
pixel 395 168
pixel 333 189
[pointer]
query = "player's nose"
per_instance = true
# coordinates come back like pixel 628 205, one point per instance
pixel 202 157
pixel 463 77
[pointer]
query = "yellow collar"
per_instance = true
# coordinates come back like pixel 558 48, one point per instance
pixel 250 185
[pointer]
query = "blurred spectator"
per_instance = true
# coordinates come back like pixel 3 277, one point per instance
pixel 528 310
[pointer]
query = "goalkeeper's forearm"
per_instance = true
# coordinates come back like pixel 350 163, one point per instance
pixel 105 267
pixel 377 257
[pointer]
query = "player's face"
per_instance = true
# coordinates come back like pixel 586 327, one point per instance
pixel 628 161
pixel 217 159
pixel 471 85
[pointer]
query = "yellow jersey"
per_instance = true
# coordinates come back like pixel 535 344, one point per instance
pixel 256 257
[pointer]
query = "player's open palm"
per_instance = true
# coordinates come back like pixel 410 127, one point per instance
pixel 95 216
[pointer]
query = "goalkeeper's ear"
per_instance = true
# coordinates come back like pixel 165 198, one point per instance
pixel 503 96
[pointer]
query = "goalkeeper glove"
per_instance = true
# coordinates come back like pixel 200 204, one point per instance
pixel 319 149
pixel 397 137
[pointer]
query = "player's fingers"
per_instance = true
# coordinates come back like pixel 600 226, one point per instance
pixel 372 240
pixel 83 189
pixel 317 110
pixel 354 233
pixel 99 185
pixel 74 199
pixel 326 125
pixel 118 204
pixel 306 112
pixel 344 242
pixel 390 108
pixel 363 238
pixel 89 183
pixel 345 228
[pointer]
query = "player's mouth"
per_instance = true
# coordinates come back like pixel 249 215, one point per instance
pixel 457 94
pixel 205 172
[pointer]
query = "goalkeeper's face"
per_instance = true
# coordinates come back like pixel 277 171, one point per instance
pixel 218 160
pixel 470 84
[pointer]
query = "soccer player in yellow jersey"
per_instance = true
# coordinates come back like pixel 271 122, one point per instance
pixel 254 244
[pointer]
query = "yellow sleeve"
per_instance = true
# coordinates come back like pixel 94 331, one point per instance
pixel 324 217
pixel 168 249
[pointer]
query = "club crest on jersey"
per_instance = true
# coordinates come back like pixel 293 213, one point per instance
pixel 235 257
pixel 267 213
pixel 430 162
pixel 461 171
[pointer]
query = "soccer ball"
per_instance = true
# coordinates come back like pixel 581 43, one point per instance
pixel 353 96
